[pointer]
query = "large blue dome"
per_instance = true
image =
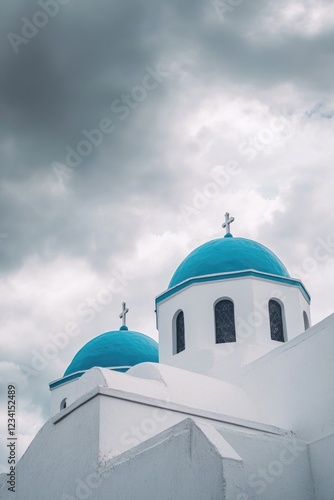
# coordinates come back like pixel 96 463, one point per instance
pixel 119 350
pixel 226 255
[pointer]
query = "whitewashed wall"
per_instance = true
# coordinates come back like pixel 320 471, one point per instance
pixel 250 297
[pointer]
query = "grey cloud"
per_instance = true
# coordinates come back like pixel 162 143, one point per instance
pixel 132 185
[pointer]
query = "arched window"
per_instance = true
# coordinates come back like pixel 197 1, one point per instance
pixel 276 321
pixel 179 344
pixel 224 320
pixel 63 404
pixel 306 321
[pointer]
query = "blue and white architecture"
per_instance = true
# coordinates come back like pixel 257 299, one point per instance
pixel 235 403
pixel 236 275
pixel 116 350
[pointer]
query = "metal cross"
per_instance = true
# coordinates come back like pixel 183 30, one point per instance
pixel 123 314
pixel 228 222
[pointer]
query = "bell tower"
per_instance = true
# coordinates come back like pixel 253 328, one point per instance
pixel 229 302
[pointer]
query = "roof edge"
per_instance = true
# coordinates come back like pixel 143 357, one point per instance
pixel 73 376
pixel 233 275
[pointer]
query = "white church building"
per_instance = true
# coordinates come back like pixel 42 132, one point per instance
pixel 236 402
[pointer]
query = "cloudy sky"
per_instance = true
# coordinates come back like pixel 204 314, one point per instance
pixel 127 130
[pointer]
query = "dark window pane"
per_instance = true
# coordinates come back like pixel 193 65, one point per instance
pixel 224 318
pixel 306 321
pixel 276 321
pixel 180 339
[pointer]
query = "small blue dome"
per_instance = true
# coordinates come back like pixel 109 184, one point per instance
pixel 226 255
pixel 119 350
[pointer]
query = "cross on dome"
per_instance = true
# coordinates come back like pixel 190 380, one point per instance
pixel 123 314
pixel 228 222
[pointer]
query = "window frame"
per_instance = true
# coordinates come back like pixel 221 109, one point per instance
pixel 175 332
pixel 282 310
pixel 306 321
pixel 63 404
pixel 224 299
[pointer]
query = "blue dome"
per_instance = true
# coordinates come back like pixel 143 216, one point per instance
pixel 119 350
pixel 226 255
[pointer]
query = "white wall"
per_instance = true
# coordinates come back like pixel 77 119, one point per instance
pixel 189 461
pixel 276 467
pixel 322 460
pixel 57 456
pixel 58 394
pixel 76 388
pixel 293 385
pixel 250 297
pixel 64 457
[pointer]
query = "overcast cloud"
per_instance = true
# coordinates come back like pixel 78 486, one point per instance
pixel 203 110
